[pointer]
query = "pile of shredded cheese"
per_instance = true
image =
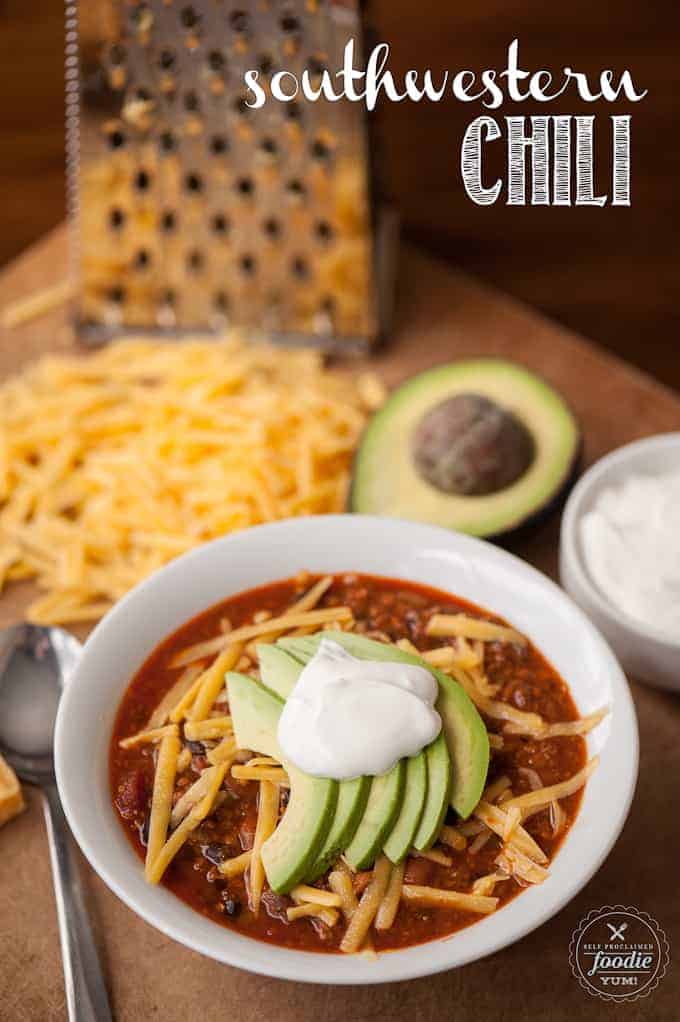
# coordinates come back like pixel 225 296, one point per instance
pixel 112 464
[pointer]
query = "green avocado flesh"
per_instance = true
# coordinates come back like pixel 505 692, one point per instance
pixel 280 672
pixel 400 839
pixel 383 806
pixel 465 735
pixel 438 793
pixel 297 841
pixel 389 478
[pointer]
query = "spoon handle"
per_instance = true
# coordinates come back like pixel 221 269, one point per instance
pixel 85 991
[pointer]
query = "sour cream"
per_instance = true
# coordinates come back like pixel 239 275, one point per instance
pixel 631 543
pixel 347 717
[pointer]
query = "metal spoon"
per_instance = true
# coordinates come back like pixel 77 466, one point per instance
pixel 34 665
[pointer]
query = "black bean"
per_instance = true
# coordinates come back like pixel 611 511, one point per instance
pixel 197 748
pixel 215 853
pixel 231 906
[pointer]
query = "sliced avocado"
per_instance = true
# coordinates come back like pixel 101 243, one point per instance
pixel 280 672
pixel 483 446
pixel 400 839
pixel 352 801
pixel 382 808
pixel 466 735
pixel 297 841
pixel 468 744
pixel 439 777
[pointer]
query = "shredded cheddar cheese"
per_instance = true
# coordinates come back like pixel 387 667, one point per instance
pixel 114 463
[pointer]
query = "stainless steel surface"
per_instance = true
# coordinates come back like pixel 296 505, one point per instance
pixel 195 212
pixel 35 663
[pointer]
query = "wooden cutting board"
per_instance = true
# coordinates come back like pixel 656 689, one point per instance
pixel 441 315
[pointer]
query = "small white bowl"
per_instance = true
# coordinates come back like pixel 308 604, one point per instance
pixel 437 557
pixel 646 654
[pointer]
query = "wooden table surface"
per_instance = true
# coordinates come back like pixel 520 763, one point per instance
pixel 442 315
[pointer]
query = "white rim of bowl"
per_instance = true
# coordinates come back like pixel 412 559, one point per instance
pixel 408 968
pixel 573 514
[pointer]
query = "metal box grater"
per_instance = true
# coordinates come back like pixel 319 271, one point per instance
pixel 193 212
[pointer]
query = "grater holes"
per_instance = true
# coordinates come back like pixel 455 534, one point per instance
pixel 323 231
pixel 168 221
pixel 142 259
pixel 219 224
pixel 191 101
pixel 142 181
pixel 293 112
pixel 189 17
pixel 116 139
pixel 245 186
pixel 221 301
pixel 218 145
pixel 320 150
pixel 295 189
pixel 216 62
pixel 116 294
pixel 272 228
pixel 193 183
pixel 290 24
pixel 117 219
pixel 299 267
pixel 269 146
pixel 247 264
pixel 239 21
pixel 265 64
pixel 165 313
pixel 317 64
pixel 195 260
pixel 167 60
pixel 168 142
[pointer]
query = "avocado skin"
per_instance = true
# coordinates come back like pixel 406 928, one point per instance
pixel 526 520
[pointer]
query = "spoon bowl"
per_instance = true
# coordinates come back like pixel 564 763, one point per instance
pixel 35 664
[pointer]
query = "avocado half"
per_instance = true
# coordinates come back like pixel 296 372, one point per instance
pixel 481 446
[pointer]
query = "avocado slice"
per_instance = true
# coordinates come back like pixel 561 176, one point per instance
pixel 466 736
pixel 279 669
pixel 382 809
pixel 280 672
pixel 482 446
pixel 400 839
pixel 439 778
pixel 297 841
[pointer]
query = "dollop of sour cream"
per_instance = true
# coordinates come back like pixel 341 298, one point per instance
pixel 631 543
pixel 347 717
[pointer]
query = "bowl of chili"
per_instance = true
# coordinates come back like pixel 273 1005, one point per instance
pixel 558 712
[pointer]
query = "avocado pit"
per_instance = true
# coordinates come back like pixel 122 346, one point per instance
pixel 470 446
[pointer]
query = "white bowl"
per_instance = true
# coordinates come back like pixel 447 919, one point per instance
pixel 647 654
pixel 461 565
